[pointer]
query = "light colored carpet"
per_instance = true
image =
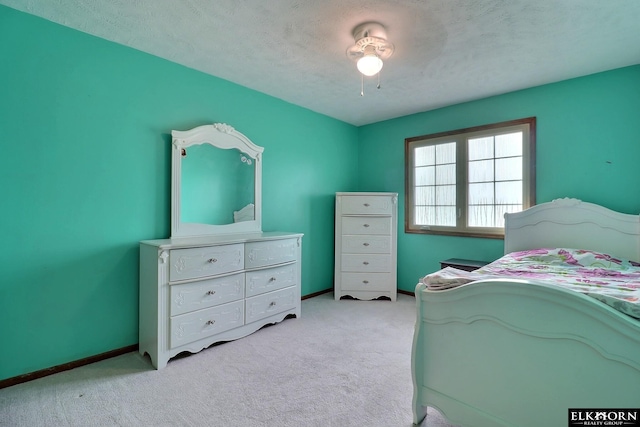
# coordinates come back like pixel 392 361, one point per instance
pixel 343 363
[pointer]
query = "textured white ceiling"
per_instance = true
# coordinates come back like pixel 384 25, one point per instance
pixel 446 51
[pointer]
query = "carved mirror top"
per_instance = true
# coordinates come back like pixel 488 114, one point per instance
pixel 216 188
pixel 219 135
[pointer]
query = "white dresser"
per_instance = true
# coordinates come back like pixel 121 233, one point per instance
pixel 201 290
pixel 366 245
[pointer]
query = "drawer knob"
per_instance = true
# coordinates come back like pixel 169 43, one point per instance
pixel 366 263
pixel 365 281
pixel 367 205
pixel 273 279
pixel 210 322
pixel 272 304
pixel 366 225
pixel 212 260
pixel 211 292
pixel 365 244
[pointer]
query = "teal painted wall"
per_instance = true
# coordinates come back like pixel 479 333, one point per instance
pixel 588 147
pixel 85 127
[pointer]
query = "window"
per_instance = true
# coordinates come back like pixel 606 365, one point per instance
pixel 463 182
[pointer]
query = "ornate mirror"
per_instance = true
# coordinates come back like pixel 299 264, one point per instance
pixel 216 185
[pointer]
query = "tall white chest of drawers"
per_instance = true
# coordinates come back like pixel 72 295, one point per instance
pixel 198 291
pixel 366 228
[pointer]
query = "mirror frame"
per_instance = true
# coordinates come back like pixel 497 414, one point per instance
pixel 223 136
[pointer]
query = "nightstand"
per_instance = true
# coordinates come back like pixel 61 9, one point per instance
pixel 463 264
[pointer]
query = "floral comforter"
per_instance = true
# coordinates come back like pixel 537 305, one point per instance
pixel 611 280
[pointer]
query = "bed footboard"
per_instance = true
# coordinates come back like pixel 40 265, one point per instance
pixel 512 353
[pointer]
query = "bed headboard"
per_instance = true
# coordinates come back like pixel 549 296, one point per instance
pixel 572 223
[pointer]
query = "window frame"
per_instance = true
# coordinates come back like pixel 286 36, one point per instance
pixel 461 136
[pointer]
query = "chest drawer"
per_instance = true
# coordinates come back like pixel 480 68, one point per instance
pixel 270 279
pixel 367 205
pixel 366 244
pixel 200 324
pixel 202 262
pixel 366 225
pixel 270 252
pixel 367 281
pixel 265 305
pixel 366 263
pixel 193 296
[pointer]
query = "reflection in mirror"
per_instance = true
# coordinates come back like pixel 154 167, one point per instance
pixel 216 182
pixel 217 185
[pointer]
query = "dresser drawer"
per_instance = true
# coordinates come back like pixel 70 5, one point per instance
pixel 367 205
pixel 193 296
pixel 366 225
pixel 270 252
pixel 196 325
pixel 366 244
pixel 265 305
pixel 367 281
pixel 372 263
pixel 270 279
pixel 202 262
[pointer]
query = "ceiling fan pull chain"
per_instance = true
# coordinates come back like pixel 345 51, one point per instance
pixel 361 84
pixel 378 80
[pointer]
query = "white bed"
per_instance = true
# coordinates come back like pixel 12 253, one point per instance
pixel 511 352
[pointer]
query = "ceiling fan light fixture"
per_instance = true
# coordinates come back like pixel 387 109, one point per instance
pixel 370 64
pixel 371 47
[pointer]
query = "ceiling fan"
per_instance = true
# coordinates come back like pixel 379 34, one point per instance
pixel 371 47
